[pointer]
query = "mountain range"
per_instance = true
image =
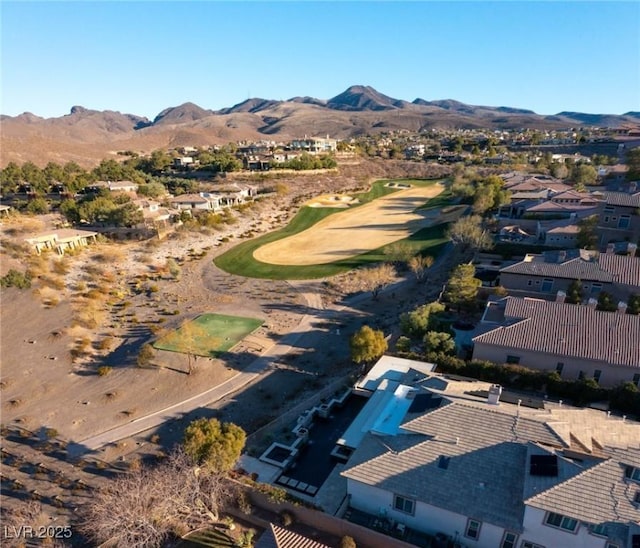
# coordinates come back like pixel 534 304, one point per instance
pixel 87 136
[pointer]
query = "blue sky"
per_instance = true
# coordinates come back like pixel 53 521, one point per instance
pixel 141 57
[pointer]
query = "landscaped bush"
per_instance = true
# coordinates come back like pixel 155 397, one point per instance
pixel 624 398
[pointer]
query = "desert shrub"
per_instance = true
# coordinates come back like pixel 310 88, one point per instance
pixel 347 542
pixel 286 518
pixel 104 370
pixel 51 433
pixel 15 278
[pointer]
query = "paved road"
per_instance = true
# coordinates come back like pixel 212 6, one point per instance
pixel 273 354
pixel 270 356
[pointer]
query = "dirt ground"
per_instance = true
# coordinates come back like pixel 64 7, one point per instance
pixel 114 297
pixel 350 233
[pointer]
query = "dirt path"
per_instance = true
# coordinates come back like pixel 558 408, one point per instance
pixel 354 232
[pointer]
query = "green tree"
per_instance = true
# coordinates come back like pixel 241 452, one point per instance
pixel 126 215
pixel 462 287
pixel 439 341
pixel 427 317
pixel 34 176
pixel 152 190
pixel 214 445
pixel 53 173
pixel 37 206
pixel 583 174
pixel 587 237
pixel 367 345
pixel 633 162
pixel 606 303
pixel 10 178
pixel 575 292
pixel 70 210
pixel 633 306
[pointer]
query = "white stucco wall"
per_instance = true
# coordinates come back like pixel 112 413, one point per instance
pixel 536 531
pixel 428 519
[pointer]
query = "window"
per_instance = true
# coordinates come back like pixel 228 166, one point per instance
pixel 624 221
pixel 580 375
pixel 611 545
pixel 600 529
pixel 509 540
pixel 636 499
pixel 561 522
pixel 636 379
pixel 404 505
pixel 609 209
pixel 473 528
pixel 632 473
pixel 529 282
pixel 547 285
pixel 596 375
pixel 606 218
pixel 528 544
pixel 513 359
pixel 559 367
pixel 596 287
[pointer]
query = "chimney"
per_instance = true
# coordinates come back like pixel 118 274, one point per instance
pixel 494 394
pixel 561 296
pixel 633 186
pixel 592 303
pixel 611 248
pixel 622 307
pixel 562 256
pixel 631 249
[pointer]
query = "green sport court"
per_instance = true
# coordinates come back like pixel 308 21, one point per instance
pixel 208 335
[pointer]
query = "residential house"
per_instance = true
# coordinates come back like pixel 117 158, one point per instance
pixel 576 341
pixel 202 201
pixel 480 472
pixel 315 145
pixel 62 240
pixel 184 162
pixel 558 233
pixel 113 186
pixel 552 271
pixel 569 204
pixel 152 212
pixel 619 219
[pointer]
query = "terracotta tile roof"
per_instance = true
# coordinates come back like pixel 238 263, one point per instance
pixel 568 330
pixel 578 266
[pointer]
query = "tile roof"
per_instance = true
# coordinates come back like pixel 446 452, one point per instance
pixel 625 269
pixel 477 441
pixel 279 537
pixel 622 199
pixel 578 266
pixel 568 330
pixel 598 494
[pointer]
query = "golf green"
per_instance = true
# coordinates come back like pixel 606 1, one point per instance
pixel 208 335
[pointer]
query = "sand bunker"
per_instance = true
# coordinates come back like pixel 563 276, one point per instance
pixel 353 232
pixel 332 200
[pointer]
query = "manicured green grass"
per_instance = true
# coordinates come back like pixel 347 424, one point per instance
pixel 208 335
pixel 239 260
